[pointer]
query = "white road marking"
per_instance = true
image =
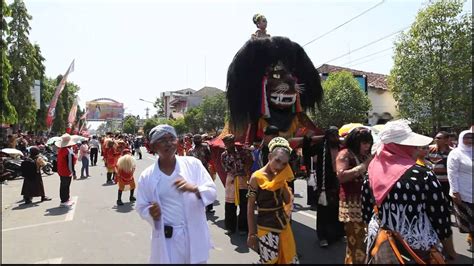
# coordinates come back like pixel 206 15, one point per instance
pixel 306 214
pixel 69 217
pixel 150 158
pixel 50 261
pixel 70 214
pixel 130 233
pixel 30 226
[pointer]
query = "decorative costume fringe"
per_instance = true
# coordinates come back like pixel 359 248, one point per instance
pixel 265 110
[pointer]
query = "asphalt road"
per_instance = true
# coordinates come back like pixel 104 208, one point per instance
pixel 95 230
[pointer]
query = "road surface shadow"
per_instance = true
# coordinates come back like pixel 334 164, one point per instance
pixel 125 208
pixel 56 211
pixel 211 216
pixel 462 259
pixel 25 206
pixel 309 251
pixel 219 223
pixel 240 241
pixel 216 203
pixel 83 178
pixel 297 195
pixel 299 207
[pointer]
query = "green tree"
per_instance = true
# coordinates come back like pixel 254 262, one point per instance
pixel 38 74
pixel 159 105
pixel 79 114
pixel 21 55
pixel 129 123
pixel 179 125
pixel 8 114
pixel 149 124
pixel 432 74
pixel 101 129
pixel 344 102
pixel 213 111
pixel 193 119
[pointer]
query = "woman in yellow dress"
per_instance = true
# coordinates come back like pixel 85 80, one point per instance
pixel 271 235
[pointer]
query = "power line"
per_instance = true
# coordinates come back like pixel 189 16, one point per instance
pixel 378 40
pixel 363 62
pixel 364 57
pixel 319 37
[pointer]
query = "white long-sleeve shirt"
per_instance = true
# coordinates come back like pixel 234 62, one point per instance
pixel 460 175
pixel 148 191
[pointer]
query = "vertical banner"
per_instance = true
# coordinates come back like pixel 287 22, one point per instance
pixel 72 114
pixel 52 106
pixel 82 127
pixel 83 116
pixel 36 93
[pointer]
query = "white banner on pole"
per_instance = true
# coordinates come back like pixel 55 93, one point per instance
pixel 36 93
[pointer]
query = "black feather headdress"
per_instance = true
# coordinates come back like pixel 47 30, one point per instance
pixel 249 67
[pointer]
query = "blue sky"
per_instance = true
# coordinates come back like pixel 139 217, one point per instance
pixel 127 50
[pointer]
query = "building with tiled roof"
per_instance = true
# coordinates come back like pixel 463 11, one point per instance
pixel 176 103
pixel 383 103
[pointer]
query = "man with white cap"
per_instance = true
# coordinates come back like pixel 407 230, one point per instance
pixel 171 196
pixel 66 161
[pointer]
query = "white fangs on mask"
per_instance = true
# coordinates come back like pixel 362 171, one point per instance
pixel 283 99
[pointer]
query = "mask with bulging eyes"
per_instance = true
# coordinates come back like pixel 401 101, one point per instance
pixel 282 89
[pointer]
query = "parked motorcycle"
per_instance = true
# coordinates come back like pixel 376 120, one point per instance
pixel 52 158
pixel 13 167
pixel 48 168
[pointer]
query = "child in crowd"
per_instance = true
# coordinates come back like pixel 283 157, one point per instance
pixel 124 175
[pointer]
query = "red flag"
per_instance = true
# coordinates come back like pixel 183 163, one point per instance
pixel 54 101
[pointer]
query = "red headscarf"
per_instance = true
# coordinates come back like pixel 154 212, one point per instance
pixel 390 162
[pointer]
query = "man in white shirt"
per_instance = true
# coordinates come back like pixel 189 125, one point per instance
pixel 172 195
pixel 94 145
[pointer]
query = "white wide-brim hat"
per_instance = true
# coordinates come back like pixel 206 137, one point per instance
pixel 65 141
pixel 399 132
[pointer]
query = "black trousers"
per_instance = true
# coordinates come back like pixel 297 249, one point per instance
pixel 311 196
pixel 328 226
pixel 64 188
pixel 231 221
pixel 139 153
pixel 94 154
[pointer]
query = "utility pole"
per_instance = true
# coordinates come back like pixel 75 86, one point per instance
pixel 147 109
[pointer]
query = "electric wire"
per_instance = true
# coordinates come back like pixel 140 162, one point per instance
pixel 364 57
pixel 319 37
pixel 368 44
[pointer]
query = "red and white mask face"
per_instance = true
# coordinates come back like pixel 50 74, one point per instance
pixel 282 88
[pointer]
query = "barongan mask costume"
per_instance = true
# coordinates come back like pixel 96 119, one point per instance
pixel 271 81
